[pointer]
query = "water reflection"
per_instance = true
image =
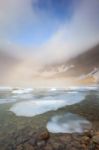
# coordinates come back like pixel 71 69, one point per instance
pixel 68 123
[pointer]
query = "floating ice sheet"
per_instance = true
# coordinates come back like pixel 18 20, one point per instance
pixel 70 95
pixel 36 107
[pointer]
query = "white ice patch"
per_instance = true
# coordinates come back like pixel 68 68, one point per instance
pixel 83 88
pixel 36 107
pixel 53 89
pixel 22 91
pixel 68 123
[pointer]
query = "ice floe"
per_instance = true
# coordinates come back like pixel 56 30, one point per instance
pixel 70 95
pixel 22 91
pixel 36 107
pixel 53 89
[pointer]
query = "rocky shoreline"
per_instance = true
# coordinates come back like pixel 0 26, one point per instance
pixel 43 140
pixel 21 133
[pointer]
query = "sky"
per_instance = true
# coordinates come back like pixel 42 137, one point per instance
pixel 32 21
pixel 48 31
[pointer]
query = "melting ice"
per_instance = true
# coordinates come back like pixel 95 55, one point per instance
pixel 36 107
pixel 70 95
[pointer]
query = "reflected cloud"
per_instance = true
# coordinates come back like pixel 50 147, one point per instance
pixel 68 123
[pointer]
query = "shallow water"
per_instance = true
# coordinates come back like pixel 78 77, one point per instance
pixel 68 123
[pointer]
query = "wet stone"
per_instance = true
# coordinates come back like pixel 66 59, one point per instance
pixel 32 141
pixel 90 133
pixel 28 147
pixel 92 146
pixel 48 147
pixel 43 134
pixel 20 147
pixel 65 139
pixel 41 143
pixel 58 146
pixel 95 139
pixel 85 140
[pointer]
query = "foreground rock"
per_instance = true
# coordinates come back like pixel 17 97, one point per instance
pixel 43 140
pixel 95 139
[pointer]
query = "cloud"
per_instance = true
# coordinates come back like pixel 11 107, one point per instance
pixel 71 37
pixel 76 36
pixel 8 63
pixel 15 15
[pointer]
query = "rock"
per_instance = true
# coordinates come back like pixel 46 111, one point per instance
pixel 20 147
pixel 41 143
pixel 76 136
pixel 70 147
pixel 73 148
pixel 92 146
pixel 65 139
pixel 48 147
pixel 84 146
pixel 76 144
pixel 95 139
pixel 58 146
pixel 9 147
pixel 85 140
pixel 97 147
pixel 43 134
pixel 97 133
pixel 32 141
pixel 28 147
pixel 90 133
pixel 21 139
